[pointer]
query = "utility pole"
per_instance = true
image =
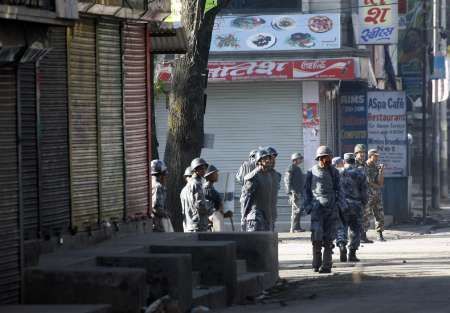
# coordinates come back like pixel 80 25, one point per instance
pixel 424 108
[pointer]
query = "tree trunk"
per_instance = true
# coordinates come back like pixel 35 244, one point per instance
pixel 186 104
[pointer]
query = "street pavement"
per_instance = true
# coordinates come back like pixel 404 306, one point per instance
pixel 410 273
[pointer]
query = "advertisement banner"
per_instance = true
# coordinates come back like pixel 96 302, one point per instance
pixel 289 32
pixel 311 133
pixel 386 116
pixel 333 69
pixel 377 22
pixel 353 120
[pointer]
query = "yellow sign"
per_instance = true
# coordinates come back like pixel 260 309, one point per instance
pixel 210 4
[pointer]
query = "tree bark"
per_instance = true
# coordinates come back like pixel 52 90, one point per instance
pixel 186 104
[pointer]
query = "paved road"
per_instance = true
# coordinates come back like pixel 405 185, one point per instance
pixel 408 274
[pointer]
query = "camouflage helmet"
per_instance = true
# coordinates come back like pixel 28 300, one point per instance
pixel 296 156
pixel 188 172
pixel 252 154
pixel 260 155
pixel 197 162
pixel 271 151
pixel 323 151
pixel 157 167
pixel 360 148
pixel 211 169
pixel 349 157
pixel 336 160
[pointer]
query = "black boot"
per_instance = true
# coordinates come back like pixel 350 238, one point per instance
pixel 343 252
pixel 380 236
pixel 364 238
pixel 352 256
pixel 327 263
pixel 317 255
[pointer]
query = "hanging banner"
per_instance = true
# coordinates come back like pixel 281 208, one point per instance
pixel 377 22
pixel 311 133
pixel 386 116
pixel 353 120
pixel 290 32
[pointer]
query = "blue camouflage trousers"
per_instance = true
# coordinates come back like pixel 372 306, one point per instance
pixel 324 222
pixel 350 226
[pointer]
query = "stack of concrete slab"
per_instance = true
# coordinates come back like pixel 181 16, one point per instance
pixel 209 269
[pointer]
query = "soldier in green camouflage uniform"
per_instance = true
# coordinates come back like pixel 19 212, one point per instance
pixel 375 179
pixel 360 162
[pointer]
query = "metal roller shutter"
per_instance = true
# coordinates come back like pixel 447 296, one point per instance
pixel 9 190
pixel 110 121
pixel 136 118
pixel 27 90
pixel 83 123
pixel 243 116
pixel 54 194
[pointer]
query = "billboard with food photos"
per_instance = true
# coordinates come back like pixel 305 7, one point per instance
pixel 276 32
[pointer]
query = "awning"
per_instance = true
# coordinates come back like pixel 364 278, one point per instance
pixel 166 43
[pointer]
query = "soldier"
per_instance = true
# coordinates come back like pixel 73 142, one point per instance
pixel 323 200
pixel 360 162
pixel 214 200
pixel 375 177
pixel 294 183
pixel 246 167
pixel 195 211
pixel 256 200
pixel 160 215
pixel 276 184
pixel 354 186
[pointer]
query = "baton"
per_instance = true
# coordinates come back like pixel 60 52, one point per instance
pixel 232 223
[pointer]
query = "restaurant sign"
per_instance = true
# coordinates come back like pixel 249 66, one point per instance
pixel 331 69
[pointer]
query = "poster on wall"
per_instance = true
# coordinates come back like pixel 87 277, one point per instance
pixel 276 32
pixel 311 133
pixel 353 120
pixel 386 116
pixel 377 22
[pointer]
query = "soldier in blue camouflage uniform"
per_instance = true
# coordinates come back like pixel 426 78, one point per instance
pixel 294 182
pixel 193 202
pixel 354 186
pixel 159 194
pixel 375 178
pixel 276 185
pixel 360 162
pixel 323 200
pixel 246 167
pixel 256 199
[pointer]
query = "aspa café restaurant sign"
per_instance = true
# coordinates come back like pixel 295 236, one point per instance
pixel 276 32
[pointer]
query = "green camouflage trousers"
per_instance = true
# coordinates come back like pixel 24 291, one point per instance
pixel 374 208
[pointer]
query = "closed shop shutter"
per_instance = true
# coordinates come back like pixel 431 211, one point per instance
pixel 9 189
pixel 136 119
pixel 54 194
pixel 244 116
pixel 83 123
pixel 110 112
pixel 27 90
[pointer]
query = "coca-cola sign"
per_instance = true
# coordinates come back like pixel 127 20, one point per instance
pixel 332 69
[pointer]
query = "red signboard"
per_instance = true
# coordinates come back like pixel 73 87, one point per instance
pixel 331 69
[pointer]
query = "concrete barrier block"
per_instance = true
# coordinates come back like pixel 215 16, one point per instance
pixel 123 289
pixel 55 309
pixel 216 261
pixel 167 274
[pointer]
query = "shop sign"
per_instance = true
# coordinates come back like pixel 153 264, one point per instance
pixel 311 132
pixel 290 32
pixel 332 69
pixel 353 120
pixel 386 116
pixel 377 22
